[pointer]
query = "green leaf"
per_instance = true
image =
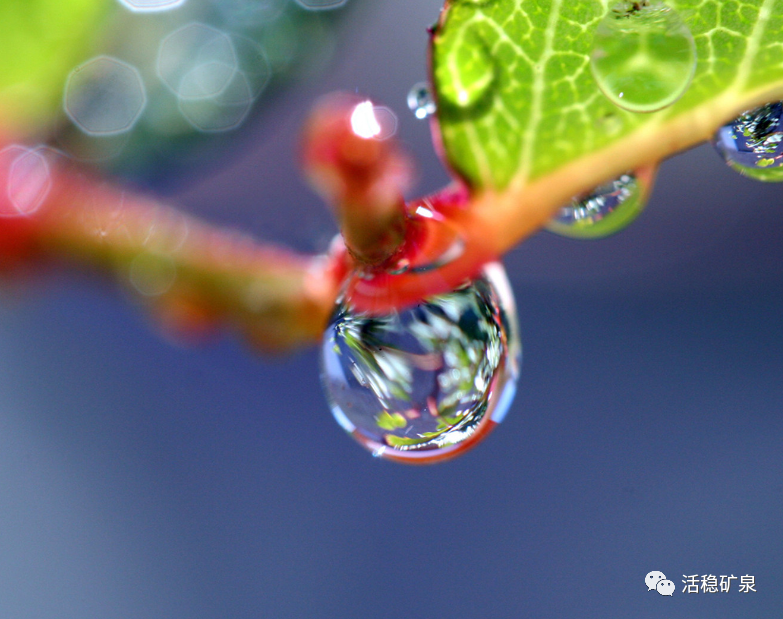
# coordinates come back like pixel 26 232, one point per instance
pixel 537 108
pixel 40 42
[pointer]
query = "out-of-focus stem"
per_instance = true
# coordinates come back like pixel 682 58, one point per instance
pixel 360 174
pixel 193 276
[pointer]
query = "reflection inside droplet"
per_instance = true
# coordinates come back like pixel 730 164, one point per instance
pixel 424 383
pixel 465 70
pixel 644 56
pixel 421 101
pixel 753 143
pixel 607 209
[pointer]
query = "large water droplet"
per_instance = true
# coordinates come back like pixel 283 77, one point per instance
pixel 423 384
pixel 643 55
pixel 421 101
pixel 466 72
pixel 608 209
pixel 753 143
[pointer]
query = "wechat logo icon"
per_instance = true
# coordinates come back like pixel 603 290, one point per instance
pixel 656 581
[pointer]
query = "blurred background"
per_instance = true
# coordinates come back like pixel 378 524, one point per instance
pixel 143 478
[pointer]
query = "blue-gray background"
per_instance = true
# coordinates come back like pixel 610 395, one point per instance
pixel 140 478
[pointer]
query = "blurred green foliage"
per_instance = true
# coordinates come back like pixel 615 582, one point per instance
pixel 86 77
pixel 40 42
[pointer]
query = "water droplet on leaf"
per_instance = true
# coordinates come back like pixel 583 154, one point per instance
pixel 425 383
pixel 753 143
pixel 608 209
pixel 610 123
pixel 421 101
pixel 466 72
pixel 643 55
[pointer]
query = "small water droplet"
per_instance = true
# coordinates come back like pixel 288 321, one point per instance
pixel 421 101
pixel 466 73
pixel 643 55
pixel 753 143
pixel 608 209
pixel 611 123
pixel 422 384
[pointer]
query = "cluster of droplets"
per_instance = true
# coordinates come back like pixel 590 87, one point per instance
pixel 643 59
pixel 422 384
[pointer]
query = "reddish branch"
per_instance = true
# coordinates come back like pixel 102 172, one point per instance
pixel 193 276
pixel 361 176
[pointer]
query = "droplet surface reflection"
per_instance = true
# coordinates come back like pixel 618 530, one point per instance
pixel 608 209
pixel 364 123
pixel 644 56
pixel 425 383
pixel 753 143
pixel 466 74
